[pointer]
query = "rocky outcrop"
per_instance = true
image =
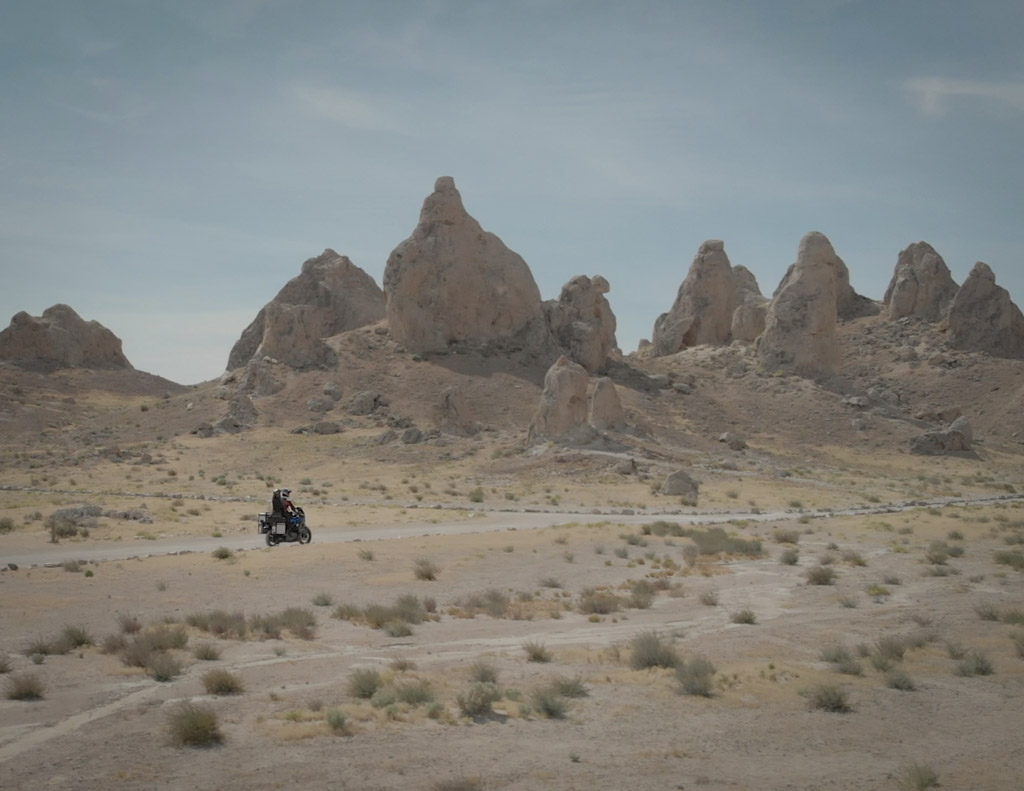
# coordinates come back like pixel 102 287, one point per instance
pixel 582 321
pixel 451 413
pixel 60 338
pixel 957 438
pixel 606 413
pixel 800 328
pixel 680 484
pixel 562 412
pixel 703 309
pixel 451 282
pixel 751 307
pixel 331 295
pixel 921 284
pixel 982 317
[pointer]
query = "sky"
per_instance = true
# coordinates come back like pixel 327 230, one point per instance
pixel 167 165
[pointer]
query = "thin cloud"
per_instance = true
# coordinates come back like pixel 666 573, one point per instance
pixel 346 108
pixel 934 95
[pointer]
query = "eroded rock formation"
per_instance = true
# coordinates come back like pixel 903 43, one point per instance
pixel 562 412
pixel 982 317
pixel 60 338
pixel 452 282
pixel 800 328
pixel 606 413
pixel 582 321
pixel 330 295
pixel 921 284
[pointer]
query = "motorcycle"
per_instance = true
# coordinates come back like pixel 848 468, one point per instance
pixel 278 529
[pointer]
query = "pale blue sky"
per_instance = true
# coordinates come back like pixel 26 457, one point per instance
pixel 167 165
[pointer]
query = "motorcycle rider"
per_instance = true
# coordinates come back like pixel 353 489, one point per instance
pixel 282 506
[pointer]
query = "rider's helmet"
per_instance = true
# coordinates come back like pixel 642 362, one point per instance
pixel 286 492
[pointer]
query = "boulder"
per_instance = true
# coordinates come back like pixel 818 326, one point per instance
pixel 330 295
pixel 951 440
pixel 733 441
pixel 451 413
pixel 800 328
pixel 921 284
pixel 260 378
pixel 751 307
pixel 241 415
pixel 562 412
pixel 606 413
pixel 60 338
pixel 626 467
pixel 704 305
pixel 680 484
pixel 364 403
pixel 452 282
pixel 582 321
pixel 982 317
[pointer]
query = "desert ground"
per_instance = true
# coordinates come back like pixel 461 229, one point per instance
pixel 831 612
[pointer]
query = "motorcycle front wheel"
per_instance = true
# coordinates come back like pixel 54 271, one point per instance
pixel 304 535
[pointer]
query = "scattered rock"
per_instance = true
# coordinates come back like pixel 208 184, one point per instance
pixel 332 391
pixel 982 317
pixel 582 321
pixel 364 403
pixel 319 404
pixel 451 413
pixel 412 435
pixel 955 439
pixel 626 467
pixel 60 338
pixel 453 282
pixel 921 284
pixel 326 427
pixel 733 441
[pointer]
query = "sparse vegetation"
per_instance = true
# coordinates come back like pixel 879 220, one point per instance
pixel 364 682
pixel 917 777
pixel 696 677
pixel 478 700
pixel 221 681
pixel 426 569
pixel 536 651
pixel 194 725
pixel 24 686
pixel 651 649
pixel 820 575
pixel 829 697
pixel 744 616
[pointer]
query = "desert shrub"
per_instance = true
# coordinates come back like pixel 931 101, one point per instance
pixel 937 553
pixel 595 602
pixel 73 566
pixel 1017 638
pixel 24 686
pixel 44 646
pixel 892 579
pixel 299 621
pixel 709 598
pixel 425 569
pixel 194 725
pixel 75 637
pixel 987 611
pixel 820 575
pixel 975 664
pixel 206 652
pixel 5 663
pixel 641 595
pixel 113 644
pixel 955 551
pixel 366 554
pixel 415 693
pixel 621 552
pixel 891 646
pixel 853 557
pixel 786 536
pixel 6 524
pixel 1012 558
pixel 337 721
pixel 570 686
pixel 483 672
pixel 128 623
pixel 163 637
pixel 696 677
pixel 323 600
pixel 917 777
pixel 848 601
pixel 346 612
pixel 222 553
pixel 829 697
pixel 835 653
pixel 458 784
pixel 955 535
pixel 492 602
pixel 364 682
pixel 1013 616
pixel 536 652
pixel 478 700
pixel 897 679
pixel 397 628
pixel 789 557
pixel 956 650
pixel 220 623
pixel 551 582
pixel 221 681
pixel 163 666
pixel 549 702
pixel 401 664
pixel 744 616
pixel 650 649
